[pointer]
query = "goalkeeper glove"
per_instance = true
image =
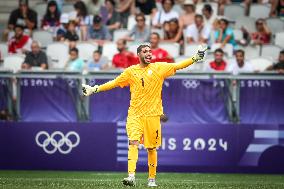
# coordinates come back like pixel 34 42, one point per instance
pixel 88 90
pixel 200 53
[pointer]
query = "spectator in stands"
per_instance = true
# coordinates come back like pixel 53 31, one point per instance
pixel 273 5
pixel 218 64
pixel 64 20
pixel 98 31
pixel 239 64
pixel 198 32
pixel 35 58
pixel 98 62
pixel 280 65
pixel 140 32
pixel 225 34
pixel 125 8
pixel 113 17
pixel 187 18
pixel 20 42
pixel 94 6
pixel 280 9
pixel 159 54
pixel 71 36
pixel 262 34
pixel 83 20
pixel 209 17
pixel 23 16
pixel 123 58
pixel 165 14
pixel 74 63
pixel 51 19
pixel 174 33
pixel 147 7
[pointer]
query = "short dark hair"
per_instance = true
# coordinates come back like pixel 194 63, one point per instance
pixel 97 19
pixel 97 51
pixel 199 16
pixel 155 33
pixel 19 26
pixel 74 50
pixel 172 1
pixel 219 50
pixel 281 52
pixel 111 1
pixel 224 20
pixel 208 8
pixel 139 49
pixel 240 51
pixel 140 15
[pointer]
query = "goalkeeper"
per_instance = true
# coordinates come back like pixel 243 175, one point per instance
pixel 143 121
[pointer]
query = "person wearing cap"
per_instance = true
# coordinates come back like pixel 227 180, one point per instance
pixel 60 33
pixel 19 43
pixel 98 31
pixel 23 16
pixel 187 18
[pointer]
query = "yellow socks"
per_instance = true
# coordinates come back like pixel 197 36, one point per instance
pixel 152 163
pixel 132 158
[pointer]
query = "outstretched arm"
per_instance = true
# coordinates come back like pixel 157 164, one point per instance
pixel 120 81
pixel 197 57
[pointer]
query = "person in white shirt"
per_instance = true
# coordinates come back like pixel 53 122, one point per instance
pixel 239 64
pixel 166 14
pixel 197 32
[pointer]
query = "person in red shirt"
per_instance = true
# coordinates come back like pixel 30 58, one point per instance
pixel 19 43
pixel 124 58
pixel 159 54
pixel 218 64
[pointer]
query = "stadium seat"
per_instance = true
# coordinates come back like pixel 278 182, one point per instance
pixel 43 37
pixel 40 8
pixel 251 51
pixel 172 48
pixel 246 22
pixel 234 11
pixel 3 50
pixel 200 6
pixel 59 54
pixel 131 21
pixel 228 49
pixel 86 50
pixel 14 62
pixel 66 8
pixel 132 47
pixel 270 51
pixel 119 33
pixel 260 64
pixel 259 10
pixel 275 25
pixel 238 34
pixel 109 50
pixel 279 39
pixel 190 49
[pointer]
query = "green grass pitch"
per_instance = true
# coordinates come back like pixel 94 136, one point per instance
pixel 112 180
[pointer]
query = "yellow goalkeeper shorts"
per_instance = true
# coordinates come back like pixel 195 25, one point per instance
pixel 147 130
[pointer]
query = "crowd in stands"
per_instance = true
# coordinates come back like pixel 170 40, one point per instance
pixel 182 22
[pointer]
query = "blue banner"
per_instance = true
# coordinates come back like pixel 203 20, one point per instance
pixel 261 101
pixel 50 100
pixel 103 146
pixel 184 100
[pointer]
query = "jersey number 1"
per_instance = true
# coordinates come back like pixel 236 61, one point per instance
pixel 142 82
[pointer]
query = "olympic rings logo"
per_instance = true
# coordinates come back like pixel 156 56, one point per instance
pixel 190 84
pixel 57 141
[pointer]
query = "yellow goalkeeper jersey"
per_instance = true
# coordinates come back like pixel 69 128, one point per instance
pixel 145 87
